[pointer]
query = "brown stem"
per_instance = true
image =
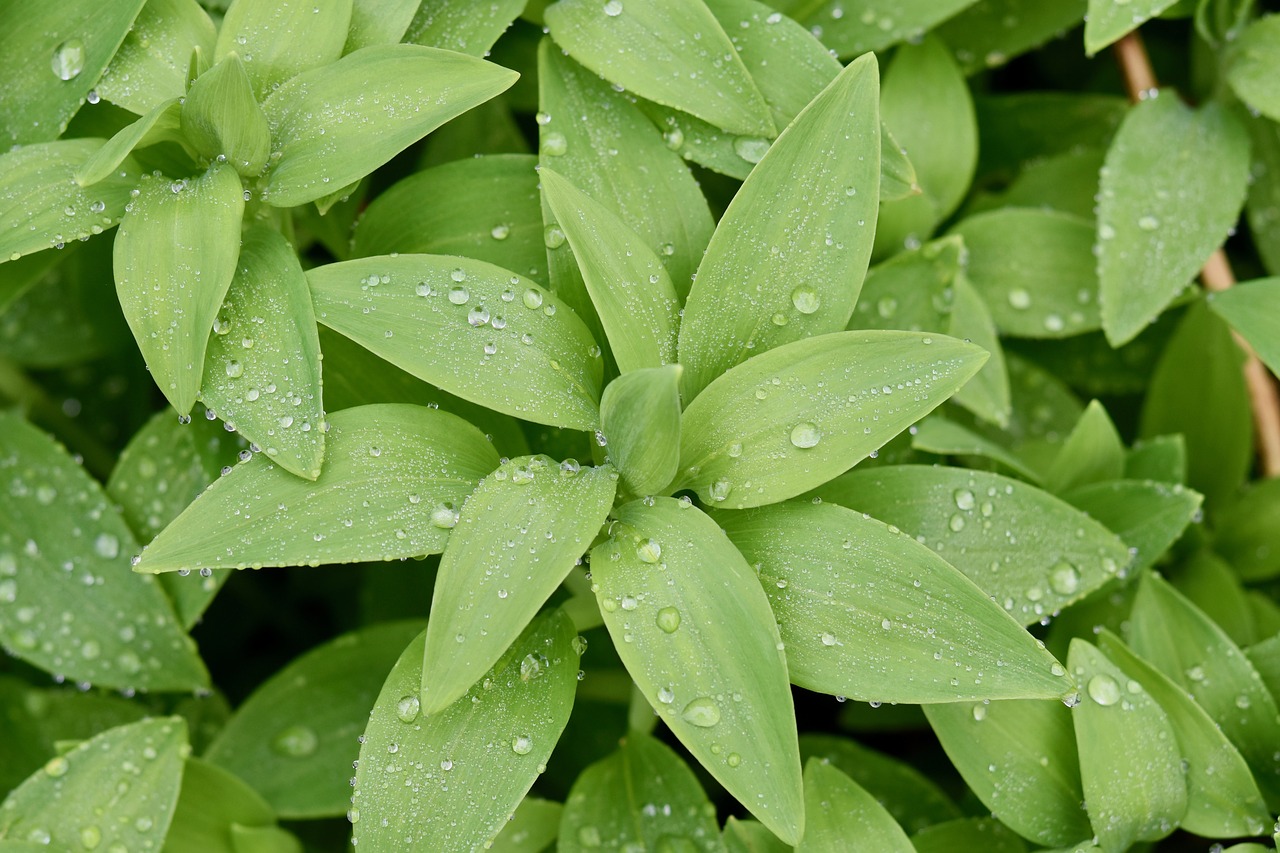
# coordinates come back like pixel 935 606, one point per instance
pixel 1139 79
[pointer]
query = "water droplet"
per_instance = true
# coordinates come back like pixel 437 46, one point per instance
pixel 1104 690
pixel 522 744
pixel 719 490
pixel 407 708
pixel 613 8
pixel 296 741
pixel 478 315
pixel 666 695
pixel 459 295
pixel 701 712
pixel 90 837
pixel 805 299
pixel 106 546
pixel 532 299
pixel 234 369
pixel 733 759
pixel 668 619
pixel 828 639
pixel 649 551
pixel 553 237
pixel 1148 223
pixel 956 523
pixel 68 59
pixel 500 232
pixel 964 499
pixel 805 435
pixel 979 713
pixel 57 767
pixel 1064 579
pixel 751 148
pixel 1019 299
pixel 554 144
pixel 532 667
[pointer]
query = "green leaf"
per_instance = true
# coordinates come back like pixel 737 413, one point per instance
pixel 1109 20
pixel 51 55
pixel 1252 67
pixel 472 762
pixel 640 417
pixel 787 420
pixel 913 800
pixel 750 836
pixel 41 205
pixel 1119 727
pixel 611 804
pixel 1159 218
pixel 392 477
pixel 162 124
pixel 473 329
pixel 221 118
pixel 787 259
pixel 1019 758
pixel 462 25
pixel 869 613
pixel 914 290
pixel 937 434
pixel 1253 310
pixel 990 33
pixel 1162 458
pixel 1042 555
pixel 1222 798
pixel 694 629
pixel 1248 536
pixel 1035 270
pixel 121 632
pixel 375 22
pixel 1019 129
pixel 851 32
pixel 1149 516
pixel 532 828
pixel 546 515
pixel 1066 182
pixel 1198 390
pixel 301 723
pixel 493 214
pixel 972 833
pixel 163 468
pixel 1265 657
pixel 371 105
pixel 211 804
pixel 262 369
pixel 279 39
pixel 1093 453
pixel 1263 203
pixel 152 63
pixel 83 800
pixel 1178 639
pixel 669 51
pixel 175 256
pixel 987 394
pixel 629 287
pixel 841 815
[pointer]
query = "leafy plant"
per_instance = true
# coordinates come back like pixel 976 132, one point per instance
pixel 762 381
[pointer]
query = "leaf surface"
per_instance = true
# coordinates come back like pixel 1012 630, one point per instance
pixel 280 39
pixel 1149 516
pixel 1109 20
pixel 1252 66
pixel 1249 535
pixel 1093 453
pixel 462 25
pixel 154 59
pixel 1253 310
pixel 221 118
pixel 841 814
pixel 640 417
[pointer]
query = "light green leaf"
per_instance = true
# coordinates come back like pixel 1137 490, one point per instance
pixel 1253 68
pixel 669 51
pixel 392 478
pixel 279 39
pixel 470 328
pixel 1093 453
pixel 153 61
pixel 51 55
pixel 1198 390
pixel 1162 458
pixel 640 417
pixel 375 22
pixel 869 613
pixel 1025 548
pixel 1253 310
pixel 80 794
pixel 175 256
pixel 841 815
pixel 1159 218
pixel 898 177
pixel 1119 727
pixel 301 723
pixel 1035 269
pixel 788 257
pixel 371 105
pixel 1019 758
pixel 1222 798
pixel 913 290
pixel 937 434
pixel 611 803
pixel 473 762
pixel 220 118
pixel 972 833
pixel 211 803
pixel 1109 20
pixel 1148 515
pixel 789 419
pixel 1248 536
pixel 162 124
pixel 532 828
pixel 987 394
pixel 262 370
pixel 462 25
pixel 42 206
pixel 121 631
pixel 750 836
pixel 629 287
pixel 991 32
pixel 694 629
pixel 493 214
pixel 1263 203
pixel 545 514
pixel 163 468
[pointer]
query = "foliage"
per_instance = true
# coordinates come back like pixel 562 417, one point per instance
pixel 611 390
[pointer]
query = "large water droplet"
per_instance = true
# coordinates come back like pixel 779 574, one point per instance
pixel 613 8
pixel 805 299
pixel 1104 690
pixel 554 144
pixel 68 59
pixel 751 148
pixel 649 551
pixel 701 712
pixel 668 619
pixel 805 435
pixel 522 744
pixel 1019 299
pixel 407 708
pixel 1064 579
pixel 296 741
pixel 964 499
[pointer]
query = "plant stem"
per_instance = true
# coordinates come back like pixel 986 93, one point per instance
pixel 1216 275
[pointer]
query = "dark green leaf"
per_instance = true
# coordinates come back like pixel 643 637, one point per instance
pixel 1248 536
pixel 913 290
pixel 1265 657
pixel 1148 515
pixel 221 118
pixel 533 826
pixel 991 32
pixel 987 394
pixel 462 25
pixel 1162 458
pixel 694 629
pixel 1263 204
pixel 1253 310
pixel 854 31
pixel 750 836
pixel 278 39
pixel 1066 182
pixel 1209 583
pixel 152 63
pixel 640 417
pixel 841 814
pixel 211 803
pixel 393 476
pixel 1253 68
pixel 973 833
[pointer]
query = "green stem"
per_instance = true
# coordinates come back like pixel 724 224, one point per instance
pixel 31 398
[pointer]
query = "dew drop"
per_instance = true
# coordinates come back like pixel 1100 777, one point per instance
pixel 296 741
pixel 522 744
pixel 1103 689
pixel 964 499
pixel 805 299
pixel 668 619
pixel 1019 299
pixel 751 148
pixel 554 144
pixel 649 551
pixel 68 59
pixel 459 295
pixel 613 8
pixel 701 712
pixel 1064 579
pixel 805 435
pixel 407 708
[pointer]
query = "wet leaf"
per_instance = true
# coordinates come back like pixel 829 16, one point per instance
pixel 220 118
pixel 152 63
pixel 282 38
pixel 876 26
pixel 461 25
pixel 375 22
pixel 212 804
pixel 1252 68
pixel 973 833
pixel 1148 515
pixel 991 32
pixel 640 417
pixel 937 434
pixel 842 815
pixel 1093 453
pixel 532 827
pixel 1109 20
pixel 1249 535
pixel 1253 310
pixel 1263 203
pixel 987 394
pixel 162 124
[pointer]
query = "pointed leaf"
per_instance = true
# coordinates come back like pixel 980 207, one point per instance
pixel 371 105
pixel 470 328
pixel 278 39
pixel 375 22
pixel 471 763
pixel 154 59
pixel 972 833
pixel 1162 458
pixel 221 118
pixel 1263 204
pixel 628 285
pixel 1252 67
pixel 545 515
pixel 937 434
pixel 1019 758
pixel 1149 516
pixel 93 622
pixel 611 804
pixel 1159 218
pixel 391 480
pixel 841 815
pixel 297 726
pixel 787 420
pixel 869 613
pixel 1025 548
pixel 694 629
pixel 1249 535
pixel 212 803
pixel 42 206
pixel 1253 310
pixel 987 394
pixel 262 370
pixel 640 417
pixel 162 124
pixel 175 256
pixel 81 795
pixel 1092 454
pixel 1109 20
pixel 461 25
pixel 789 255
pixel 532 827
